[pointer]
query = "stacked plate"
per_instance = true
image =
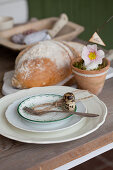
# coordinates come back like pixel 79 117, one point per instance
pixel 55 127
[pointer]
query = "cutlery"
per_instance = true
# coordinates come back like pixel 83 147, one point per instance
pixel 47 34
pixel 34 112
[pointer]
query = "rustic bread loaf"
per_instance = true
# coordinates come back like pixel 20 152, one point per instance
pixel 43 64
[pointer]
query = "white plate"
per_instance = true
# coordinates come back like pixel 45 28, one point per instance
pixel 54 117
pixel 89 125
pixel 14 119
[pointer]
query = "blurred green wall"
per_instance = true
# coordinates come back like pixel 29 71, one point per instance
pixel 89 13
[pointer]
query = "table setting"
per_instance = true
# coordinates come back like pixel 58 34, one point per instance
pixel 66 128
pixel 39 107
pixel 66 117
pixel 69 117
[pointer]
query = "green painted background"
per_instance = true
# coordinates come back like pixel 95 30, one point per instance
pixel 89 13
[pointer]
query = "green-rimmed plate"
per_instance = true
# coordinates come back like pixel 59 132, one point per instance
pixel 48 117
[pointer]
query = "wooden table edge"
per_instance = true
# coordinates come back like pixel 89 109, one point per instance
pixel 74 153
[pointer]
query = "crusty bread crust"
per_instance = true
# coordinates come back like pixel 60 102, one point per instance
pixel 49 74
pixel 21 54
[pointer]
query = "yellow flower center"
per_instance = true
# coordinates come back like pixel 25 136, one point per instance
pixel 92 56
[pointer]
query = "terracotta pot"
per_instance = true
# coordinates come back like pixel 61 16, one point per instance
pixel 92 80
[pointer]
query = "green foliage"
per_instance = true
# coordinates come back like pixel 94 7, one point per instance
pixel 81 66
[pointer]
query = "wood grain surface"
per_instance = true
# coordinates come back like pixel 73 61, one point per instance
pixel 16 155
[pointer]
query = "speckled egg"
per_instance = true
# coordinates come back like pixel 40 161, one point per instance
pixel 69 101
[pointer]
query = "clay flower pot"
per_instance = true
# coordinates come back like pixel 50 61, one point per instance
pixel 92 80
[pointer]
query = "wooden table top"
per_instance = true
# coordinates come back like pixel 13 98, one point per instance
pixel 17 155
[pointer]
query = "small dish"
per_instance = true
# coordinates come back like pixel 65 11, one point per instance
pixel 48 117
pixel 6 23
pixel 14 119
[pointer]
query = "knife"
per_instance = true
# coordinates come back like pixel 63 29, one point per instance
pixel 47 34
pixel 38 113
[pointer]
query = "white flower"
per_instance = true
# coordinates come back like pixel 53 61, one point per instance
pixel 92 57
